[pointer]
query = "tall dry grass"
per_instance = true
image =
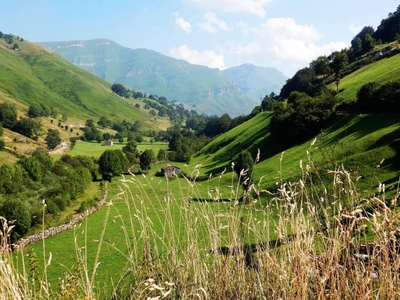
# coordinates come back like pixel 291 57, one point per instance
pixel 313 238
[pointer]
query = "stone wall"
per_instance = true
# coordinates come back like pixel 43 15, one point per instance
pixel 21 243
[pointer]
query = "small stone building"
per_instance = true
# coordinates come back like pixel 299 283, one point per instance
pixel 21 139
pixel 170 171
pixel 107 143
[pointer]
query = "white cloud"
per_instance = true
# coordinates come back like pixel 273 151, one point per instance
pixel 184 25
pixel 212 23
pixel 255 7
pixel 246 50
pixel 288 29
pixel 356 28
pixel 293 43
pixel 206 58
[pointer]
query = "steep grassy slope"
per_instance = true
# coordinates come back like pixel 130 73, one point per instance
pixel 35 75
pixel 359 143
pixel 382 71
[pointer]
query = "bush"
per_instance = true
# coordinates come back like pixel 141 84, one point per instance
pixel 61 203
pixel 85 205
pixel 16 212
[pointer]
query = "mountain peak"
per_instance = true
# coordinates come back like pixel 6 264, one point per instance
pixel 201 88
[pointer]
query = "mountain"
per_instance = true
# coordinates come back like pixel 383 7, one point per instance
pixel 198 87
pixel 254 81
pixel 31 74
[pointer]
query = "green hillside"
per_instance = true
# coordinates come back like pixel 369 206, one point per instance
pixel 33 75
pixel 358 142
pixel 381 71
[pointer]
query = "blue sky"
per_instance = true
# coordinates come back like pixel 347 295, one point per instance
pixel 285 34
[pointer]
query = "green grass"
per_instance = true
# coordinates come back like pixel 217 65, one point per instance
pixel 156 230
pixel 94 149
pixel 126 217
pixel 357 142
pixel 35 75
pixel 381 71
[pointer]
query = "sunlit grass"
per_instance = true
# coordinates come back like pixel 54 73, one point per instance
pixel 310 238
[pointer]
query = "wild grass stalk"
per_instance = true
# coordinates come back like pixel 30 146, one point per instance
pixel 311 238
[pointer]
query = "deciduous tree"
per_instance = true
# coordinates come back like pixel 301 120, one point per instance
pixel 53 138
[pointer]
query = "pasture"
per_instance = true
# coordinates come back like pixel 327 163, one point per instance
pixel 153 214
pixel 94 149
pixel 183 239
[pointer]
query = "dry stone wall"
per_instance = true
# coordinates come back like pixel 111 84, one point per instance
pixel 21 243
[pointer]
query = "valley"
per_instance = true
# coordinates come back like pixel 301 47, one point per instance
pixel 292 194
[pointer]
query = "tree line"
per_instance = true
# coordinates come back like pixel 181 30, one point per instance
pixel 305 103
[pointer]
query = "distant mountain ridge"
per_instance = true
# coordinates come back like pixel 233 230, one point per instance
pixel 235 91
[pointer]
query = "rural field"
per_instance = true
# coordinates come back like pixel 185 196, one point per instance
pixel 96 149
pixel 180 238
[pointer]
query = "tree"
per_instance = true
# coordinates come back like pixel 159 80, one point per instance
pixel 89 123
pixel 112 163
pixel 321 66
pixel 35 111
pixel 16 210
pixel 356 45
pixel 302 81
pixel 389 27
pixel 8 115
pixel 33 167
pixel 357 41
pixel 339 60
pixel 301 118
pixel 368 43
pixel 92 134
pixel 145 160
pixel 1 129
pixel 131 147
pixel 28 127
pixel 7 172
pixel 120 90
pixel 44 158
pixel 53 138
pixel 104 122
pixel 162 155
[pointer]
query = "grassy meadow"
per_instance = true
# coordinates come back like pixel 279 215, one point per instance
pixel 168 239
pixel 381 71
pixel 309 218
pixel 361 143
pixel 94 149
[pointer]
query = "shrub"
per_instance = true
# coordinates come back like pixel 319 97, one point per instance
pixel 85 205
pixel 16 212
